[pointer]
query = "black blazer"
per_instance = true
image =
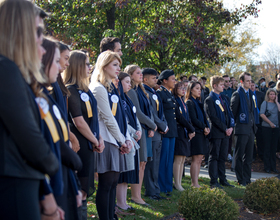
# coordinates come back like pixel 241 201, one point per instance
pixel 24 152
pixel 218 128
pixel 260 98
pixel 234 106
pixel 197 124
pixel 182 123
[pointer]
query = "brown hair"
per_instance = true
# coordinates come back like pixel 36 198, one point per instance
pixel 103 60
pixel 191 85
pixel 215 80
pixel 242 75
pixel 108 43
pixel 123 75
pixel 130 69
pixel 50 44
pixel 75 73
pixel 17 40
pixel 177 86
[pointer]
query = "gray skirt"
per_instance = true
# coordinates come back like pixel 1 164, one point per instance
pixel 110 160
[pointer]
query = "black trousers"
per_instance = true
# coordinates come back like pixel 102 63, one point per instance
pixel 270 137
pixel 217 157
pixel 19 199
pixel 106 195
pixel 244 156
pixel 151 171
pixel 260 142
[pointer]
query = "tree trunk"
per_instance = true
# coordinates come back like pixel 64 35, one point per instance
pixel 110 13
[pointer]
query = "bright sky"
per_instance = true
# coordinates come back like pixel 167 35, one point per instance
pixel 268 22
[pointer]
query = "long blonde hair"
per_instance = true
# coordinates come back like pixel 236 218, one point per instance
pixel 103 60
pixel 75 73
pixel 18 37
pixel 130 69
pixel 267 93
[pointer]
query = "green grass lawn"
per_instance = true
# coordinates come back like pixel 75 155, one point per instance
pixel 162 208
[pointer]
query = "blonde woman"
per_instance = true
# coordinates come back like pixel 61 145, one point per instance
pixel 140 99
pixel 84 121
pixel 25 156
pixel 113 128
pixel 269 111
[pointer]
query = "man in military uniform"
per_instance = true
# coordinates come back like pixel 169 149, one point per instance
pixel 152 167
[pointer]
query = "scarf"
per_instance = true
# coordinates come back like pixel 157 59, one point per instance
pixel 219 107
pixel 129 108
pixel 119 113
pixel 160 111
pixel 198 109
pixel 200 112
pixel 243 110
pixel 183 112
pixel 56 180
pixel 144 104
pixel 60 100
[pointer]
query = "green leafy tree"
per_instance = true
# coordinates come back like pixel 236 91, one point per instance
pixel 243 42
pixel 182 35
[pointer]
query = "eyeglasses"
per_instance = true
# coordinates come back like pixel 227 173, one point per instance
pixel 182 88
pixel 88 65
pixel 227 81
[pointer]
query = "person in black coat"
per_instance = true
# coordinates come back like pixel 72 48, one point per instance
pixel 182 142
pixel 172 115
pixel 199 121
pixel 244 109
pixel 25 156
pixel 222 123
pixel 260 144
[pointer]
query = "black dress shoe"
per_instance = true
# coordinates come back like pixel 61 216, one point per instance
pixel 267 171
pixel 160 197
pixel 242 184
pixel 168 194
pixel 216 185
pixel 232 169
pixel 275 171
pixel 226 184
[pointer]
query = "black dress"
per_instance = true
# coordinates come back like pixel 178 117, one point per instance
pixel 77 107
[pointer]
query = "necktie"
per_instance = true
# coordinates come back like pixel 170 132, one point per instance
pixel 247 93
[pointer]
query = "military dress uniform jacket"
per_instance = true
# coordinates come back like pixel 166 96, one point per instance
pixel 171 112
pixel 161 124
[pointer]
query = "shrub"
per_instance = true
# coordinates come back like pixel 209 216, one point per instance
pixel 263 195
pixel 205 203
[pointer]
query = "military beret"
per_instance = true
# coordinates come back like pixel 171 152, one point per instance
pixel 165 74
